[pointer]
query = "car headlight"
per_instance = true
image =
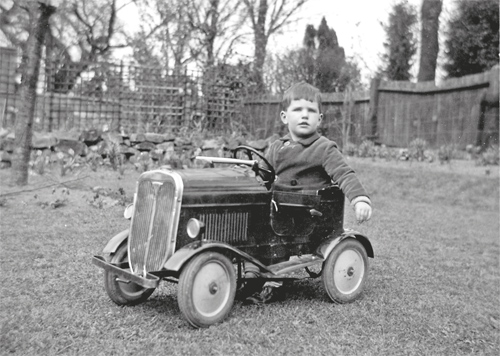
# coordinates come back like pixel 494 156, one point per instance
pixel 129 211
pixel 195 228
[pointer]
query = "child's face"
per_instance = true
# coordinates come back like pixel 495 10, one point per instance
pixel 302 118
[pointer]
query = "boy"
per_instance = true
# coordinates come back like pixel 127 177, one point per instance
pixel 305 160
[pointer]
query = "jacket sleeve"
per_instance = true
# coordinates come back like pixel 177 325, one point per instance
pixel 341 173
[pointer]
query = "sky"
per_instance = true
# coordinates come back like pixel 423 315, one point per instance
pixel 357 24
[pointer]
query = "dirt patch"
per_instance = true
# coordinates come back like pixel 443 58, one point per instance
pixel 102 188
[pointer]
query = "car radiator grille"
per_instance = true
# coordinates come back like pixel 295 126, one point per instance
pixel 230 227
pixel 151 226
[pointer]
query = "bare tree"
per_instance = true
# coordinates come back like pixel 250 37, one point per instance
pixel 429 43
pixel 217 28
pixel 82 31
pixel 182 31
pixel 24 121
pixel 267 17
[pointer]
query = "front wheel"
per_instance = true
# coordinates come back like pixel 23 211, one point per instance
pixel 124 292
pixel 345 271
pixel 207 286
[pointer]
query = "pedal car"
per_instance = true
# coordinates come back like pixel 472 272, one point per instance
pixel 197 227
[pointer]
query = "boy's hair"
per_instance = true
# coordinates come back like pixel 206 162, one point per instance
pixel 301 90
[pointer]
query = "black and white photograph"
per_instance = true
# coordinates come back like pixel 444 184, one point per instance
pixel 249 177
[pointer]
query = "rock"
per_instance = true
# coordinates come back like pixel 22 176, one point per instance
pixel 103 148
pixel 3 132
pixel 78 147
pixel 7 144
pixel 154 137
pixel 169 137
pixel 235 142
pixel 212 144
pixel 260 145
pixel 112 137
pixel 156 154
pixel 179 142
pixel 166 146
pixel 145 146
pixel 41 141
pixel 128 151
pixel 90 137
pixel 5 157
pixel 137 137
pixel 67 135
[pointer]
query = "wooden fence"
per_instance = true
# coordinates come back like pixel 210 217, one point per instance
pixel 458 112
pixel 341 113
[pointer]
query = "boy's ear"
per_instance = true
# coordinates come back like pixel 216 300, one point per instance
pixel 320 117
pixel 283 117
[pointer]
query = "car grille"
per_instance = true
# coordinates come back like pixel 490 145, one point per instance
pixel 154 225
pixel 230 227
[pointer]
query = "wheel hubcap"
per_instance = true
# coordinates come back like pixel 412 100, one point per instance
pixel 349 271
pixel 211 289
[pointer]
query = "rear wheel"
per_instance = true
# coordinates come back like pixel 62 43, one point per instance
pixel 345 271
pixel 207 286
pixel 123 292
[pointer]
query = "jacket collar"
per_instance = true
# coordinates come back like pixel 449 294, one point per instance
pixel 304 142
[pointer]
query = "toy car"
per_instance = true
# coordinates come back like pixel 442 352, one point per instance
pixel 197 227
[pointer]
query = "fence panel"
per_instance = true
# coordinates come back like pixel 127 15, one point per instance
pixel 449 114
pixel 130 98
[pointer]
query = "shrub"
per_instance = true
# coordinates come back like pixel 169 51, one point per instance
pixel 39 161
pixel 489 157
pixel 367 149
pixel 446 153
pixel 94 160
pixel 115 157
pixel 416 149
pixel 66 161
pixel 350 149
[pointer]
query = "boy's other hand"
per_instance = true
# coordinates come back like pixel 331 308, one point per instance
pixel 363 212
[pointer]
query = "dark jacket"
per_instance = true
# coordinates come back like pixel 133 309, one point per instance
pixel 310 164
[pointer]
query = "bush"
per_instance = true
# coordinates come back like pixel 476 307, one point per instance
pixel 446 153
pixel 350 149
pixel 416 149
pixel 489 157
pixel 367 149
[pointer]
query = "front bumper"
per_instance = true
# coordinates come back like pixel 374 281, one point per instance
pixel 150 281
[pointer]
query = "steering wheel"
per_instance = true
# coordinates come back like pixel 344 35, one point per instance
pixel 267 172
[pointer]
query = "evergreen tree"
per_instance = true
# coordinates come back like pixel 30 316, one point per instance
pixel 329 60
pixel 401 43
pixel 307 53
pixel 320 61
pixel 472 45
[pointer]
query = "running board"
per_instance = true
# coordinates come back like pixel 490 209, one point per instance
pixel 295 264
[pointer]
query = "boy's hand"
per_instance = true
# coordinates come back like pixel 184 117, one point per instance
pixel 363 211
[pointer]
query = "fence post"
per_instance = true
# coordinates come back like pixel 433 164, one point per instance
pixel 488 125
pixel 373 112
pixel 120 89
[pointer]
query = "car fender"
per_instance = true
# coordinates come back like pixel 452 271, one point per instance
pixel 184 254
pixel 115 242
pixel 327 246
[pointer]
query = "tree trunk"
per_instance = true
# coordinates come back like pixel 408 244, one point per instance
pixel 429 42
pixel 24 122
pixel 261 38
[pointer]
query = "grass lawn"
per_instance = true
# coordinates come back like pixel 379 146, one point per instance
pixel 433 288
